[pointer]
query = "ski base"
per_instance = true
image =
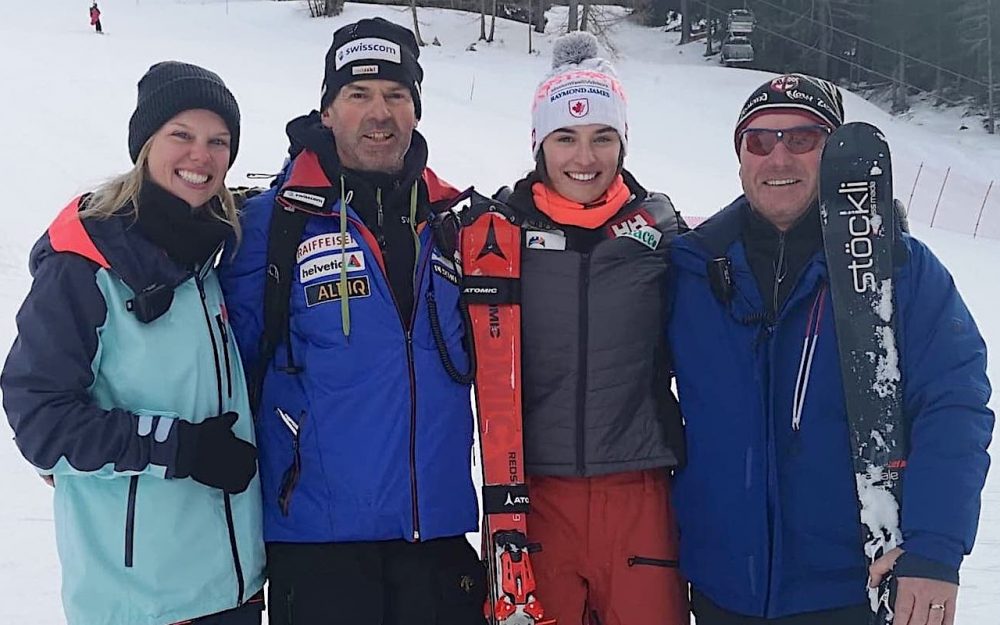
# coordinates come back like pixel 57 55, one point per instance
pixel 859 229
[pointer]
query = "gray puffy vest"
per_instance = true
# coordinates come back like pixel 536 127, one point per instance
pixel 596 378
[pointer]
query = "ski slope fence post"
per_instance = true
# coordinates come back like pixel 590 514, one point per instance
pixel 909 201
pixel 940 193
pixel 981 209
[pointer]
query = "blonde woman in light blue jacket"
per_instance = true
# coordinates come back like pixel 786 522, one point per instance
pixel 124 389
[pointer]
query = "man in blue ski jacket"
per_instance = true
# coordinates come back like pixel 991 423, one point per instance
pixel 364 423
pixel 767 505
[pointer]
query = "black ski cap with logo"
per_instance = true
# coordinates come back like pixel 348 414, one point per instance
pixel 814 98
pixel 372 49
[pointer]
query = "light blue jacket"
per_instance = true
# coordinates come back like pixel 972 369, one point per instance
pixel 93 395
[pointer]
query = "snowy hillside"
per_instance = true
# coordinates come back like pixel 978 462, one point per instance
pixel 66 95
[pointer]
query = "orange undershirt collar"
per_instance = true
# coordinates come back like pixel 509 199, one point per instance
pixel 570 213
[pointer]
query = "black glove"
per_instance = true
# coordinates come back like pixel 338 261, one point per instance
pixel 209 452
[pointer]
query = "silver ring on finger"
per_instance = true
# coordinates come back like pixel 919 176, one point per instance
pixel 937 606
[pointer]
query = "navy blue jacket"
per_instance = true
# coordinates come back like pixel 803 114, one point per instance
pixel 768 512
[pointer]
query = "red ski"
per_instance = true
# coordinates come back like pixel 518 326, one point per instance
pixel 490 247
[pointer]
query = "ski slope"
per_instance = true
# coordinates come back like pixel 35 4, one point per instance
pixel 66 95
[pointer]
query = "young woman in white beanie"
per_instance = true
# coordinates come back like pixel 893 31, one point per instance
pixel 601 427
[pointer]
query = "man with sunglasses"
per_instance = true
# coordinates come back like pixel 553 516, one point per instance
pixel 767 505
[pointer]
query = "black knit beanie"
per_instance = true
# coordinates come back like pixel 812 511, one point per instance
pixel 815 97
pixel 372 49
pixel 172 87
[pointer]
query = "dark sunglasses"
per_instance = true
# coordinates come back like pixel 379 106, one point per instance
pixel 797 140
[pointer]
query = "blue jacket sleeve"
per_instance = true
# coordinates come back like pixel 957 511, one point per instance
pixel 242 274
pixel 946 392
pixel 49 371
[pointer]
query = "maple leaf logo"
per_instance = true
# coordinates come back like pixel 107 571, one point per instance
pixel 579 107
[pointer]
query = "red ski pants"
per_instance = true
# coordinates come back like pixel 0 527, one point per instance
pixel 609 550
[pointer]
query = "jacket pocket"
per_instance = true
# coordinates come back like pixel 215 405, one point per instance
pixel 133 489
pixel 644 561
pixel 290 479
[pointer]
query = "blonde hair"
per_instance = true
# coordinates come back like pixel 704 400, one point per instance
pixel 114 194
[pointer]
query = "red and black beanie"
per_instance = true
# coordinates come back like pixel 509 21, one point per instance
pixel 372 49
pixel 172 87
pixel 814 98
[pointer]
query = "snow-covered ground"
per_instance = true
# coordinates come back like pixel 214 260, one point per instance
pixel 66 95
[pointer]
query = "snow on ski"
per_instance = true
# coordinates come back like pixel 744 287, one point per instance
pixel 859 230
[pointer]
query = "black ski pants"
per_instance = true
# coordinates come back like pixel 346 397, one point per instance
pixel 707 613
pixel 437 582
pixel 247 614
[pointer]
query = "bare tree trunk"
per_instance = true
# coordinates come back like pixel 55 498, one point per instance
pixel 708 28
pixel 899 104
pixel 585 15
pixel 573 21
pixel 325 8
pixel 493 22
pixel 938 59
pixel 482 20
pixel 825 38
pixel 539 20
pixel 530 29
pixel 416 23
pixel 685 22
pixel 990 118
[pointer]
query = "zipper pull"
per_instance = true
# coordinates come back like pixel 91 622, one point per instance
pixel 222 329
pixel 288 421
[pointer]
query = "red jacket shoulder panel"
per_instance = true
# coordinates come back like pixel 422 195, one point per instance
pixel 437 189
pixel 307 172
pixel 67 234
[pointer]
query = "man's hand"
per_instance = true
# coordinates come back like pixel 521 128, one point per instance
pixel 919 601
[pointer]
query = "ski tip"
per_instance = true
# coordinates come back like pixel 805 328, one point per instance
pixel 854 136
pixel 855 127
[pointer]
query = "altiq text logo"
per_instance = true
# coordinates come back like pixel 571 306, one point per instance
pixel 329 291
pixel 861 247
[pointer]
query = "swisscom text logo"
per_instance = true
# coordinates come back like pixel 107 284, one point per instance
pixel 368 49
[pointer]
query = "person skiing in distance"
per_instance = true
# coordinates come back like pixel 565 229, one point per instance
pixel 767 505
pixel 601 427
pixel 123 388
pixel 365 438
pixel 95 18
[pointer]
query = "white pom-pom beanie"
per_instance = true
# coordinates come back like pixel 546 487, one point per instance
pixel 581 89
